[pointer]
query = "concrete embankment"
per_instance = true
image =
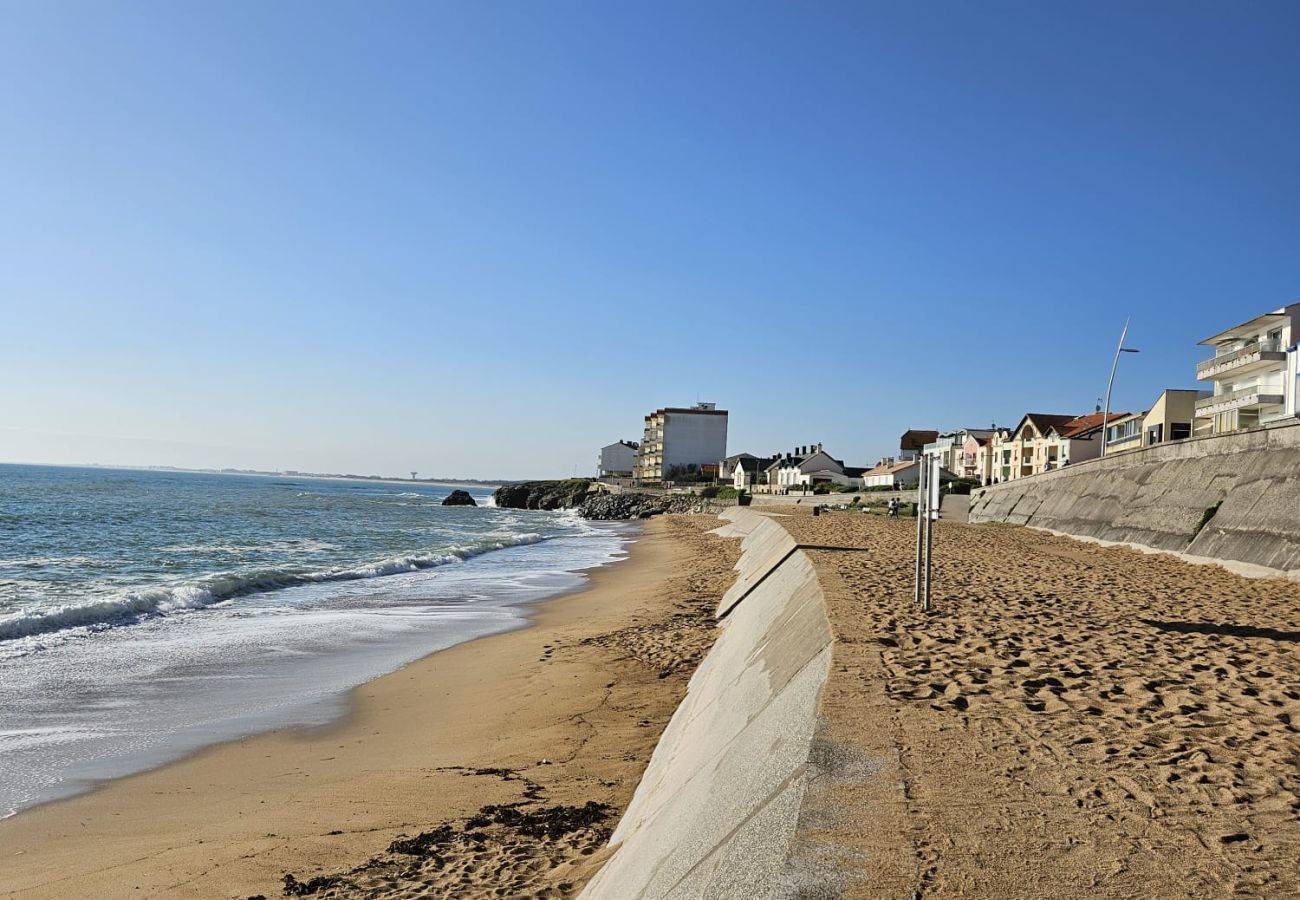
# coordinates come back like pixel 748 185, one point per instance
pixel 717 809
pixel 1232 498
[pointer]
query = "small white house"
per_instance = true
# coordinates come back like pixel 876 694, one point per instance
pixel 617 460
pixel 893 475
pixel 749 471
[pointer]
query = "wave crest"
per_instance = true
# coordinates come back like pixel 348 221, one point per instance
pixel 135 606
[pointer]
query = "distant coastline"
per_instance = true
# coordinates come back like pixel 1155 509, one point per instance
pixel 287 473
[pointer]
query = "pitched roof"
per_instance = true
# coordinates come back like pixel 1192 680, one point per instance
pixel 855 471
pixel 1043 422
pixel 1081 425
pixel 892 468
pixel 753 463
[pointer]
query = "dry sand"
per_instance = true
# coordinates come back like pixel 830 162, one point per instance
pixel 1071 721
pixel 503 763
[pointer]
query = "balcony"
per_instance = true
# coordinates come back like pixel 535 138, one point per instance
pixel 1258 355
pixel 1245 398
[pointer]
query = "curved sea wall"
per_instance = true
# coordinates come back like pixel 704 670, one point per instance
pixel 717 808
pixel 1231 497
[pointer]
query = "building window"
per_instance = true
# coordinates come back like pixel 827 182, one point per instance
pixel 1179 431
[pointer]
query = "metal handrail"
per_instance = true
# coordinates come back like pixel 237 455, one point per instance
pixel 1266 346
pixel 1263 390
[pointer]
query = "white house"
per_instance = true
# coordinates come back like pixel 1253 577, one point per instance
pixel 748 472
pixel 617 460
pixel 1253 372
pixel 677 438
pixel 806 467
pixel 893 474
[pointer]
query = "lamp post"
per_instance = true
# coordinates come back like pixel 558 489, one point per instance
pixel 1105 416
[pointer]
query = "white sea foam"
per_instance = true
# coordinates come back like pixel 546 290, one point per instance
pixel 126 608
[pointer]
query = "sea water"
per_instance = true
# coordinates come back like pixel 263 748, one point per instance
pixel 144 613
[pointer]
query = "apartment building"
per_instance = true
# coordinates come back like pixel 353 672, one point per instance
pixel 1253 373
pixel 617 460
pixel 677 439
pixel 1043 442
pixel 1171 418
pixel 952 451
pixel 981 454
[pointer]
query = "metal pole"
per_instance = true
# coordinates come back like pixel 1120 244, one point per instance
pixel 1105 416
pixel 920 523
pixel 932 513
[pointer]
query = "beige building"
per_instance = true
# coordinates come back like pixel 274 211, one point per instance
pixel 1253 373
pixel 1125 433
pixel 1043 442
pixel 1172 418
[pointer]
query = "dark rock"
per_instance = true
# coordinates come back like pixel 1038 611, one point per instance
pixel 458 498
pixel 576 494
pixel 295 888
pixel 542 494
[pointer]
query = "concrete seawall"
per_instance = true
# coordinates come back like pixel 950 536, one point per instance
pixel 717 809
pixel 1228 498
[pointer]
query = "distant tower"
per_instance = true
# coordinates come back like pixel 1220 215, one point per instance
pixel 413 474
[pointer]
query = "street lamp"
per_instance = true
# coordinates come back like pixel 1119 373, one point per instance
pixel 1105 416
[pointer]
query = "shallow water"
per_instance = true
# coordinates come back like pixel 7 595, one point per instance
pixel 146 614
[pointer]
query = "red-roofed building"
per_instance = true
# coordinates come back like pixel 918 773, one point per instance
pixel 1043 442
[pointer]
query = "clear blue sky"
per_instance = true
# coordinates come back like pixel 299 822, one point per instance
pixel 483 239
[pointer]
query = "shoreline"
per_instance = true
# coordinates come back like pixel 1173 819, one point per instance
pixel 214 696
pixel 232 819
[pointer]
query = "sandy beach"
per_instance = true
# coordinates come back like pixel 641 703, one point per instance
pixel 494 768
pixel 1070 721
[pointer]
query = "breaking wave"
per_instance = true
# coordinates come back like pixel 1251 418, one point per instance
pixel 134 606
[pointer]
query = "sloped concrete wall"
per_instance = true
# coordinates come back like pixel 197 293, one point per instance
pixel 718 805
pixel 1248 483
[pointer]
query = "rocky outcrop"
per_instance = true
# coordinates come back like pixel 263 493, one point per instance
pixel 459 498
pixel 543 494
pixel 637 506
pixel 576 494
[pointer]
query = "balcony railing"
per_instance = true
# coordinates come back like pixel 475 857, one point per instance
pixel 1244 354
pixel 1258 395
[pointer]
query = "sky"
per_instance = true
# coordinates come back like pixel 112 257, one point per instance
pixel 485 239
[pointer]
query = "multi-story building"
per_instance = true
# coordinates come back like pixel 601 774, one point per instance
pixel 617 460
pixel 679 440
pixel 998 456
pixel 1253 371
pixel 1171 418
pixel 1043 442
pixel 913 442
pixel 1125 433
pixel 952 450
pixel 980 451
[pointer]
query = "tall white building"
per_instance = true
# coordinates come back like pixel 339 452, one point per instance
pixel 1254 373
pixel 677 439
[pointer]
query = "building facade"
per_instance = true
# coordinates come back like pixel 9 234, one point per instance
pixel 893 475
pixel 1043 442
pixel 1253 373
pixel 678 439
pixel 617 460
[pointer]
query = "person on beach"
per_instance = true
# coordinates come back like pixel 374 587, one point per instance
pixel 893 507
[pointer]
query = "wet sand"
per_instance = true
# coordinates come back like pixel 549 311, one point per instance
pixel 1070 721
pixel 494 768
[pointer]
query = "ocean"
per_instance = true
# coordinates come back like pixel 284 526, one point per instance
pixel 145 614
